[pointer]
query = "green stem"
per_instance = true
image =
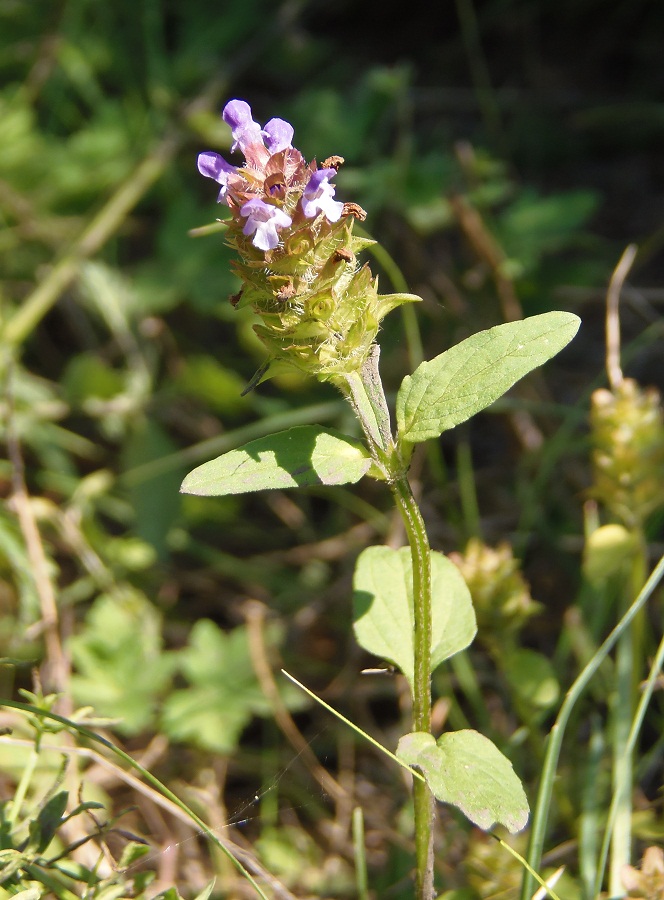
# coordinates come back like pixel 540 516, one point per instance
pixel 647 691
pixel 22 787
pixel 622 775
pixel 468 493
pixel 360 854
pixel 422 797
pixel 365 393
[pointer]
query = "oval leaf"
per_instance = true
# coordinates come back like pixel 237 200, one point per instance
pixel 383 607
pixel 465 769
pixel 300 457
pixel 467 378
pixel 532 678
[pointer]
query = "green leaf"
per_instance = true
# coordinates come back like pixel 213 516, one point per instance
pixel 534 225
pixel 383 607
pixel 465 769
pixel 154 497
pixel 121 667
pixel 207 890
pixel 28 893
pixel 214 385
pixel 300 457
pixel 532 678
pixel 132 853
pixel 223 692
pixel 48 820
pixel 467 378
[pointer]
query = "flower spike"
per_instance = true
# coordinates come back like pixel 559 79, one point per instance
pixel 319 312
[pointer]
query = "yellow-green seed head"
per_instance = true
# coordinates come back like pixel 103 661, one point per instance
pixel 500 593
pixel 627 435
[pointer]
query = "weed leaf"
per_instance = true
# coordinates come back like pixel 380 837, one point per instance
pixel 383 607
pixel 300 457
pixel 465 769
pixel 455 385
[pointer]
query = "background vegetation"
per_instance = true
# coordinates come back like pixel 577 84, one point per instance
pixel 506 152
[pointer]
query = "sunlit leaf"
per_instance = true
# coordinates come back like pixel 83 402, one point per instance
pixel 383 607
pixel 465 769
pixel 467 378
pixel 300 457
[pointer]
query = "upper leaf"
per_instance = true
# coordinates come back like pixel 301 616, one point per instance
pixel 467 378
pixel 383 607
pixel 300 457
pixel 465 769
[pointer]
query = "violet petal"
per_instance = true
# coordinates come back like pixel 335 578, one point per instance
pixel 212 165
pixel 264 221
pixel 278 135
pixel 237 114
pixel 318 196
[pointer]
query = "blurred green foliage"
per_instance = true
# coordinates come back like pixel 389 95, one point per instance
pixel 122 365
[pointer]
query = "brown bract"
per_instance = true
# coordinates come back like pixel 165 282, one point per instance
pixel 332 162
pixel 290 165
pixel 355 210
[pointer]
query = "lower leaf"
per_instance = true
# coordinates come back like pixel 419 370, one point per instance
pixel 466 769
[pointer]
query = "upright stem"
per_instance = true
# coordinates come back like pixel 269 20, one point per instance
pixel 364 391
pixel 422 797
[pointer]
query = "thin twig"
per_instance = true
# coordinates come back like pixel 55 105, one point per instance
pixel 97 233
pixel 490 252
pixel 57 661
pixel 613 369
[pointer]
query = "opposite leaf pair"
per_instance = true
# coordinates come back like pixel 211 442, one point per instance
pixel 440 394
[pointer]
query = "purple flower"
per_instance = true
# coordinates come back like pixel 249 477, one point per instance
pixel 263 222
pixel 237 114
pixel 318 194
pixel 278 134
pixel 214 166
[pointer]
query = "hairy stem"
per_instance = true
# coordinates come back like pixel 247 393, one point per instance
pixel 422 797
pixel 364 391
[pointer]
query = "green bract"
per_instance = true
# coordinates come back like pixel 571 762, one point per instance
pixel 319 312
